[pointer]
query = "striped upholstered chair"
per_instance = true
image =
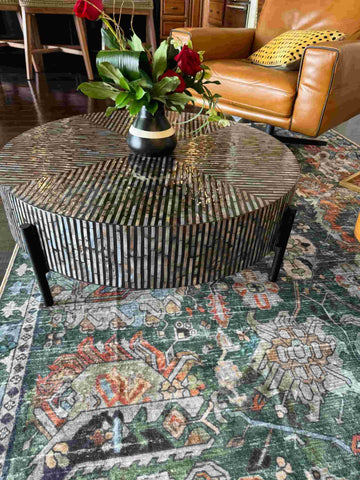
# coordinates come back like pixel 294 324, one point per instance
pixel 10 5
pixel 13 5
pixel 33 48
pixel 30 7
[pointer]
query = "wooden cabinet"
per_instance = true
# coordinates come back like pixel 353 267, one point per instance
pixel 235 13
pixel 174 7
pixel 205 13
pixel 216 13
pixel 179 14
pixel 213 13
pixel 225 13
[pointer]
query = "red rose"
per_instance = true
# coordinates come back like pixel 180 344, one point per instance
pixel 84 9
pixel 170 73
pixel 188 61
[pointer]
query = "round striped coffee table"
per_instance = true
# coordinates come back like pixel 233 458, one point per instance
pixel 105 216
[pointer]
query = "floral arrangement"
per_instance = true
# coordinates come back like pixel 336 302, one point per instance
pixel 134 77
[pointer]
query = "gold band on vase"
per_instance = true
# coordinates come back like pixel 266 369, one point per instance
pixel 148 134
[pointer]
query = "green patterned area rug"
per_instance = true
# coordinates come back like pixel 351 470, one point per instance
pixel 239 379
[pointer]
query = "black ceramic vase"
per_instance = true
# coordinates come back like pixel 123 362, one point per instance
pixel 151 135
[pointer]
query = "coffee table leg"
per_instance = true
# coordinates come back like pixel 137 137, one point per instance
pixel 286 224
pixel 38 260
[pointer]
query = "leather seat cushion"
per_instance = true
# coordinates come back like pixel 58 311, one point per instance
pixel 255 87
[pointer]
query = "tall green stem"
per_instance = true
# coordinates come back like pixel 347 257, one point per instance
pixel 108 24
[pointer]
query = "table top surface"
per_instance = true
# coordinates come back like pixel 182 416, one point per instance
pixel 81 167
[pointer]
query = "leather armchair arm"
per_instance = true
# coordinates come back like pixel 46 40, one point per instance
pixel 218 43
pixel 328 87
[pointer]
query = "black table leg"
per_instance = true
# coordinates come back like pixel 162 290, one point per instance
pixel 38 260
pixel 284 231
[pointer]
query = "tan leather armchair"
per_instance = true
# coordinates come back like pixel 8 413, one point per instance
pixel 322 94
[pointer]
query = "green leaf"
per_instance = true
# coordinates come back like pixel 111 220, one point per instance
pixel 171 54
pixel 109 111
pixel 135 107
pixel 144 82
pixel 177 108
pixel 152 107
pixel 140 92
pixel 180 99
pixel 166 85
pixel 198 88
pixel 122 99
pixel 129 63
pixel 107 71
pixel 160 60
pixel 109 40
pixel 136 43
pixel 98 90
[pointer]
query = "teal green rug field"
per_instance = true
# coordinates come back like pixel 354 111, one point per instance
pixel 240 379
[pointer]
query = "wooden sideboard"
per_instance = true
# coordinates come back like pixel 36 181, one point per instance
pixel 213 13
pixel 225 13
pixel 235 13
pixel 178 14
pixel 197 13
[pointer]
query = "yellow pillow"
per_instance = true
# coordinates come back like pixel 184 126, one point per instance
pixel 286 50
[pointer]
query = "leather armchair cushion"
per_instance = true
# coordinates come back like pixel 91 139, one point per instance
pixel 251 86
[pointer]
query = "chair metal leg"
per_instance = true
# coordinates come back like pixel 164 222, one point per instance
pixel 284 231
pixel 270 129
pixel 300 141
pixel 38 260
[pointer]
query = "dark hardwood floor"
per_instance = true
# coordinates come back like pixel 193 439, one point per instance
pixel 24 105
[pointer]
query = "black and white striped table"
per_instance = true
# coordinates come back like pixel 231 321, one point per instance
pixel 105 216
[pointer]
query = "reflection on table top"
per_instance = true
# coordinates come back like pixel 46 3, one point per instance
pixel 81 167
